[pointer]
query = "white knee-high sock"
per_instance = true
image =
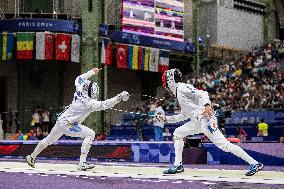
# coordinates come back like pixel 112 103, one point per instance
pixel 237 151
pixel 39 148
pixel 86 145
pixel 179 144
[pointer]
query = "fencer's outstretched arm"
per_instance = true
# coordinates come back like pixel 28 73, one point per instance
pixel 175 118
pixel 96 105
pixel 81 78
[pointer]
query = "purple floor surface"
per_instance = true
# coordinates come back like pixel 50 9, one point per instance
pixel 43 181
pixel 197 166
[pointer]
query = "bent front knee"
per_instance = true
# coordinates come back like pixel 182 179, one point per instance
pixel 91 135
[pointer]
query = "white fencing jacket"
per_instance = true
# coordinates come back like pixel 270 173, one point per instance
pixel 191 101
pixel 82 105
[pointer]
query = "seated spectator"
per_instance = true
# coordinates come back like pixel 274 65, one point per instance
pixel 262 128
pixel 159 126
pixel 18 135
pixel 167 135
pixel 45 120
pixel 152 108
pixel 31 135
pixel 36 120
pixel 45 131
pixel 242 134
pixel 1 129
pixel 39 134
pixel 101 136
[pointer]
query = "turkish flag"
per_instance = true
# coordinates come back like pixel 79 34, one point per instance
pixel 121 55
pixel 63 46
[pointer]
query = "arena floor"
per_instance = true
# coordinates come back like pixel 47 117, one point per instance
pixel 62 174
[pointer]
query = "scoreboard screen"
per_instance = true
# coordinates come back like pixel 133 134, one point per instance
pixel 155 18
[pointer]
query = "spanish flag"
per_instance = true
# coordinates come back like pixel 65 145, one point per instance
pixel 25 45
pixel 7 45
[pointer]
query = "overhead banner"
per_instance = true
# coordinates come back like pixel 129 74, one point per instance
pixel 155 18
pixel 34 24
pixel 154 42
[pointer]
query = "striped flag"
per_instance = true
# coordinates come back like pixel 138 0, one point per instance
pixel 154 60
pixel 7 45
pixel 140 58
pixel 75 48
pixel 106 57
pixel 44 45
pixel 25 45
pixel 121 55
pixel 135 58
pixel 62 44
pixel 144 58
pixel 164 61
pixel 132 57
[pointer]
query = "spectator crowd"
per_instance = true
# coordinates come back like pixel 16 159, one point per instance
pixel 40 127
pixel 252 82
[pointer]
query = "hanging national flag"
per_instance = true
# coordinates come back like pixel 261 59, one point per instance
pixel 7 45
pixel 75 48
pixel 106 57
pixel 25 45
pixel 144 58
pixel 140 59
pixel 135 58
pixel 132 57
pixel 154 60
pixel 121 55
pixel 44 46
pixel 164 61
pixel 62 46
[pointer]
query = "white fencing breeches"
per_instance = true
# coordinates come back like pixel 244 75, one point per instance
pixel 210 129
pixel 62 127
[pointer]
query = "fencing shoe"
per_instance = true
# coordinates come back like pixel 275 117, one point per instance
pixel 30 161
pixel 254 169
pixel 174 169
pixel 84 166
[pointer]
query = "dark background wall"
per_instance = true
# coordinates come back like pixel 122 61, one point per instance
pixel 36 84
pixel 9 86
pixel 40 87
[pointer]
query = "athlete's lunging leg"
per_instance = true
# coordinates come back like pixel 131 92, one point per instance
pixel 70 121
pixel 196 107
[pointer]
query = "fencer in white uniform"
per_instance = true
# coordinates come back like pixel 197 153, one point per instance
pixel 70 121
pixel 196 109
